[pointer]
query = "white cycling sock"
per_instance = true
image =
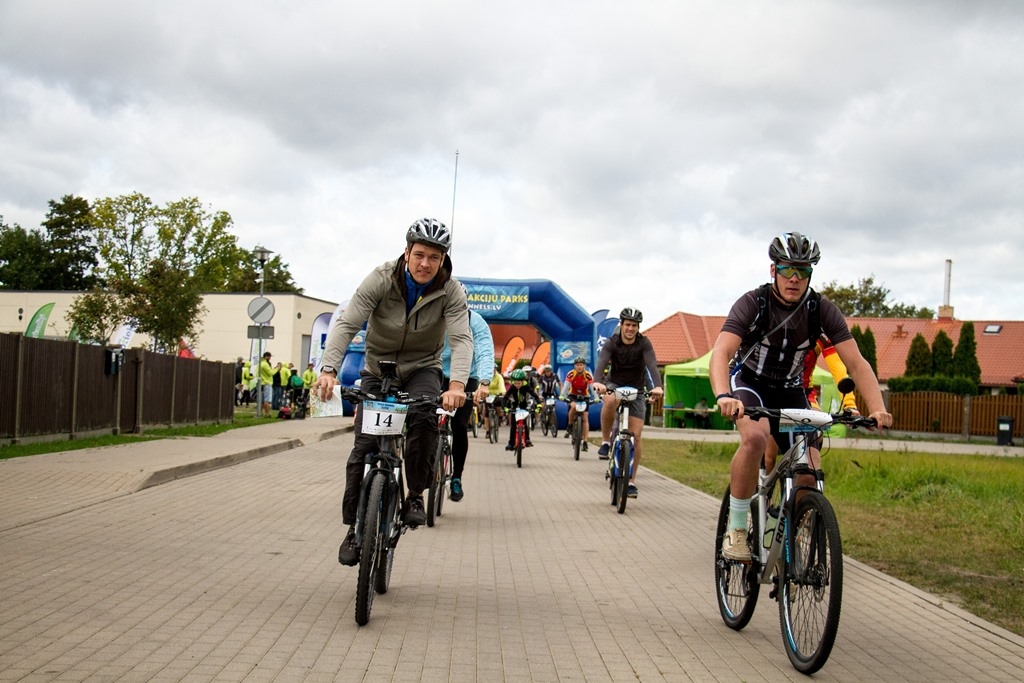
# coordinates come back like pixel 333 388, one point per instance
pixel 739 510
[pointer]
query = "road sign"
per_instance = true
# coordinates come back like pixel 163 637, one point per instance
pixel 261 310
pixel 261 332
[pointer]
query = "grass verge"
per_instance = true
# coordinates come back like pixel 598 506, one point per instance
pixel 243 418
pixel 952 525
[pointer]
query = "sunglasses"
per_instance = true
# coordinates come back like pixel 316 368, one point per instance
pixel 801 272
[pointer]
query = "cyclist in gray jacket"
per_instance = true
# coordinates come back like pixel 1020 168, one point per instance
pixel 409 304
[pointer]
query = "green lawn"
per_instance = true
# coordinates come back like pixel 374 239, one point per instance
pixel 952 525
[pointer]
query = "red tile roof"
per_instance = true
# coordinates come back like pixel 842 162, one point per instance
pixel 684 336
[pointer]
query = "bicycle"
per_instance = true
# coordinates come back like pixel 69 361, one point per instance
pixel 800 550
pixel 442 466
pixel 492 420
pixel 378 525
pixel 548 420
pixel 474 419
pixel 620 464
pixel 582 404
pixel 519 443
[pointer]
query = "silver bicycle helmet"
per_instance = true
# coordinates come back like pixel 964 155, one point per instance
pixel 792 247
pixel 430 231
pixel 633 314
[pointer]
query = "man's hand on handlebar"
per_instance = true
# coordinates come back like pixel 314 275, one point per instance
pixel 730 407
pixel 454 397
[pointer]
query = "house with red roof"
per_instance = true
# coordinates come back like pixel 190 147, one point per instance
pixel 684 336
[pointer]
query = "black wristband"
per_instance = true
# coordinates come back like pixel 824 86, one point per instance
pixel 721 396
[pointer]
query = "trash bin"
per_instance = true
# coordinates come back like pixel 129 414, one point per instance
pixel 1004 430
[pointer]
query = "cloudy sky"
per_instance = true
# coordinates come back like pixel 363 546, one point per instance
pixel 637 153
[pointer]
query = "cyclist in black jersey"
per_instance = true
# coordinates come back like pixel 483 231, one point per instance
pixel 630 357
pixel 765 368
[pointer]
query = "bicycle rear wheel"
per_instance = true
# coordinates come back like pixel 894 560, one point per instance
pixel 368 557
pixel 736 585
pixel 811 596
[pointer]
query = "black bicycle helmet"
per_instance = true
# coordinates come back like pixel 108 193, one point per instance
pixel 792 247
pixel 580 359
pixel 633 314
pixel 430 231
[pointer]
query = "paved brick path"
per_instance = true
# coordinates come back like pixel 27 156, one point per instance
pixel 231 575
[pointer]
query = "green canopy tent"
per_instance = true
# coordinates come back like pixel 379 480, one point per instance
pixel 687 383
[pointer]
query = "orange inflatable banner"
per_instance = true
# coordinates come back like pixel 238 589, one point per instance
pixel 542 356
pixel 513 351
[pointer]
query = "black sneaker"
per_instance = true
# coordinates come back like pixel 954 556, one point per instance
pixel 348 553
pixel 529 444
pixel 631 491
pixel 566 435
pixel 585 449
pixel 602 452
pixel 414 514
pixel 509 447
pixel 456 490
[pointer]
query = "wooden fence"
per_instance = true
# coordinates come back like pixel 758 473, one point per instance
pixel 936 412
pixel 932 411
pixel 64 390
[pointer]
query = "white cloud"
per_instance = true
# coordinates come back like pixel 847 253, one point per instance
pixel 639 154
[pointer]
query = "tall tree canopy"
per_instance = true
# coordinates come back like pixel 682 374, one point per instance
pixel 868 300
pixel 942 354
pixel 22 257
pixel 70 244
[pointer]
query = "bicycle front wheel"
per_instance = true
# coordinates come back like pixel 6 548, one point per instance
pixel 624 454
pixel 368 557
pixel 472 423
pixel 390 529
pixel 544 423
pixel 436 491
pixel 811 595
pixel 736 585
pixel 577 437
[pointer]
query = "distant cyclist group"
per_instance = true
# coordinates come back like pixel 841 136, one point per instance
pixel 420 329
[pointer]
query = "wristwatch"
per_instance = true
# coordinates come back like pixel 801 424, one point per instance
pixel 485 382
pixel 329 368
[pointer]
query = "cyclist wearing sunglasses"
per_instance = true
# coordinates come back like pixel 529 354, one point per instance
pixel 758 359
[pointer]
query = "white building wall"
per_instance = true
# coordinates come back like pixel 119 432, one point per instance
pixel 223 335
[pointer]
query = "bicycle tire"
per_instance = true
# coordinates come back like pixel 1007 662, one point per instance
pixel 577 437
pixel 368 559
pixel 446 475
pixel 623 475
pixel 390 530
pixel 544 422
pixel 811 596
pixel 472 422
pixel 554 424
pixel 736 584
pixel 434 492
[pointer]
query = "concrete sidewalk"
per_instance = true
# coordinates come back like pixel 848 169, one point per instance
pixel 232 576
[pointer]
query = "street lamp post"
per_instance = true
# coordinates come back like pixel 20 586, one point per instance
pixel 262 255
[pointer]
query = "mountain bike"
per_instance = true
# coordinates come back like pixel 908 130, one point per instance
pixel 548 421
pixel 492 420
pixel 620 464
pixel 582 404
pixel 519 441
pixel 795 542
pixel 442 466
pixel 378 525
pixel 474 419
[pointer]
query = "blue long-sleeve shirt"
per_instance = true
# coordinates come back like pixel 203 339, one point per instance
pixel 483 350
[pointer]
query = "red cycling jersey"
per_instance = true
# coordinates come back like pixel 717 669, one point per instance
pixel 579 382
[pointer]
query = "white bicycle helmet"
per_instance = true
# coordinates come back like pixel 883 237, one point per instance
pixel 430 231
pixel 792 247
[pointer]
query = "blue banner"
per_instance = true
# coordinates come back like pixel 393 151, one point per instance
pixel 500 302
pixel 567 351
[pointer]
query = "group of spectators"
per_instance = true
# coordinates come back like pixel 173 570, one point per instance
pixel 283 386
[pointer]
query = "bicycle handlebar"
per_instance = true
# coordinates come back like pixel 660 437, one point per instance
pixel 810 417
pixel 354 395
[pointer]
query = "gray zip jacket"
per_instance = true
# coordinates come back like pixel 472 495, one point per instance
pixel 415 340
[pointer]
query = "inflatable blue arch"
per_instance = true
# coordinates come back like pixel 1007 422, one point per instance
pixel 560 319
